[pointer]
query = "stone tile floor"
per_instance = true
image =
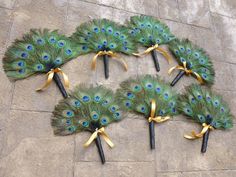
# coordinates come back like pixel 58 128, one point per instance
pixel 28 147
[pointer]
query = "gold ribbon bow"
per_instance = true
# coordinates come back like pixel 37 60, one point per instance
pixel 102 132
pixel 157 119
pixel 50 75
pixel 187 71
pixel 199 135
pixel 111 54
pixel 155 47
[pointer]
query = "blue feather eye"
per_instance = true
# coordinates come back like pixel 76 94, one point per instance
pixel 110 30
pixel 216 103
pixel 125 48
pixel 204 76
pixel 201 118
pixel 21 71
pixel 189 51
pixel 86 98
pixel 161 112
pixel 52 40
pixel 117 115
pixel 158 89
pixel 104 121
pixel 173 110
pixel 21 63
pixel 76 103
pixel 68 113
pixel 142 25
pixel 112 108
pixel 96 30
pixel 196 55
pixel 130 95
pixel 24 55
pixel 112 46
pixel 103 30
pixel 171 104
pixel 45 57
pixel 201 61
pixel 127 103
pixel 39 67
pixel 68 122
pixel 193 100
pixel 125 43
pixel 104 43
pixel 188 111
pixel 150 37
pixel 176 52
pixel 222 109
pixel 99 46
pixel 40 41
pixel 137 88
pixel 97 98
pixel 29 47
pixel 61 43
pixel 182 59
pixel 208 98
pixel 122 37
pixel 158 41
pixel 181 49
pixel 149 85
pixel 94 115
pixel 142 40
pixel 166 96
pixel 71 129
pixel 199 97
pixel 68 51
pixel 117 33
pixel 84 47
pixel 105 103
pixel 143 109
pixel 149 26
pixel 161 30
pixel 132 32
pixel 58 61
pixel 85 123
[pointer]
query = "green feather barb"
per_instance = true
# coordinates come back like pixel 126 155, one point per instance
pixel 204 106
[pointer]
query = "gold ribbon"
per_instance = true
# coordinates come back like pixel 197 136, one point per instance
pixel 155 47
pixel 102 132
pixel 157 119
pixel 187 71
pixel 50 75
pixel 199 135
pixel 111 54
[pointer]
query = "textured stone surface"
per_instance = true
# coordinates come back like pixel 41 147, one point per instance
pixel 28 147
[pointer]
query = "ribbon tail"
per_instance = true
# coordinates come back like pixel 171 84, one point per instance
pixel 122 61
pixel 94 62
pixel 91 139
pixel 165 54
pixel 199 78
pixel 172 69
pixel 107 139
pixel 49 80
pixel 66 79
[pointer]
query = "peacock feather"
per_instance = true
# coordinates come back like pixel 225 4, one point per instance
pixel 136 95
pixel 86 109
pixel 102 35
pixel 38 51
pixel 204 106
pixel 207 108
pixel 149 32
pixel 195 58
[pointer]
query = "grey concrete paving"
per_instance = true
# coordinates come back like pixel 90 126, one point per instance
pixel 28 147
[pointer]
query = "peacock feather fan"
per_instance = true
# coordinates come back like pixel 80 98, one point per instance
pixel 149 32
pixel 39 51
pixel 195 59
pixel 205 107
pixel 103 35
pixel 86 109
pixel 136 95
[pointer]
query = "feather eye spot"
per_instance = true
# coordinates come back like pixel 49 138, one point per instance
pixel 68 122
pixel 158 41
pixel 86 98
pixel 40 41
pixel 137 88
pixel 208 98
pixel 112 108
pixel 85 123
pixel 84 47
pixel 216 103
pixel 204 76
pixel 99 46
pixel 122 37
pixel 142 25
pixel 171 104
pixel 125 48
pixel 52 40
pixel 39 67
pixel 69 113
pixel 199 97
pixel 58 61
pixel 196 55
pixel 21 71
pixel 176 52
pixel 71 129
pixel 182 59
pixel 68 51
pixel 95 30
pixel 24 55
pixel 104 121
pixel 143 109
pixel 222 109
pixel 20 63
pixel 182 49
pixel 173 110
pixel 161 112
pixel 77 103
pixel 117 115
pixel 61 43
pixel 95 115
pixel 112 46
pixel 158 89
pixel 97 98
pixel 29 47
pixel 188 111
pixel 166 96
pixel 103 30
pixel 201 61
pixel 130 95
pixel 128 104
pixel 193 100
pixel 105 103
pixel 116 34
pixel 105 43
pixel 149 86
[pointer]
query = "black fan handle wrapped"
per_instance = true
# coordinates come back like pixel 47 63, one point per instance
pixel 152 134
pixel 100 149
pixel 155 60
pixel 205 141
pixel 106 65
pixel 177 78
pixel 60 85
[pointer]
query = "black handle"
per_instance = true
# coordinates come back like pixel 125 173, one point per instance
pixel 61 87
pixel 106 65
pixel 155 60
pixel 204 141
pixel 177 78
pixel 152 134
pixel 100 150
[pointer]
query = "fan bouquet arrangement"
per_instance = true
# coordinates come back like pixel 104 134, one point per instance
pixel 91 109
